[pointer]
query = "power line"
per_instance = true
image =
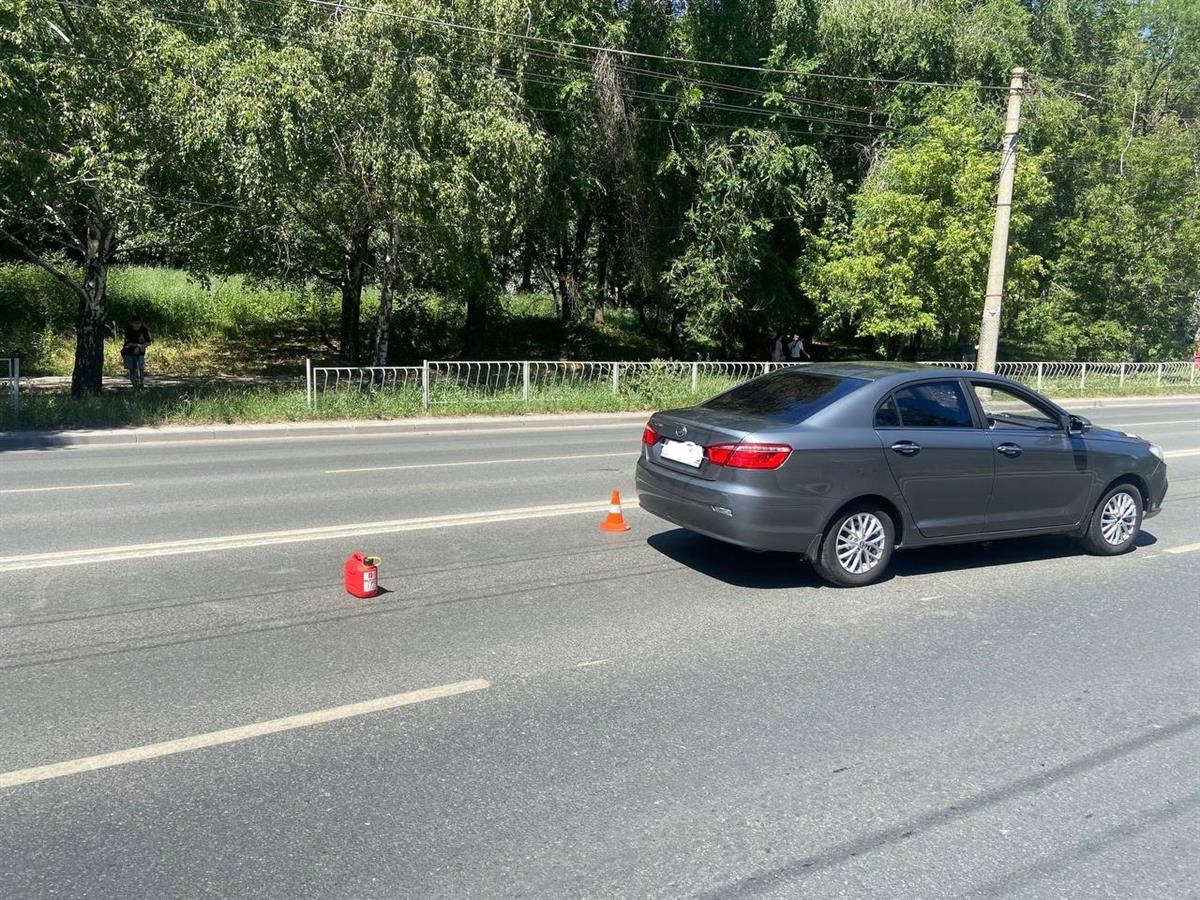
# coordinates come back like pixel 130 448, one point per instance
pixel 342 6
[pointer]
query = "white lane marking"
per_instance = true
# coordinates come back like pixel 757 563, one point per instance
pixel 1174 454
pixel 62 558
pixel 166 443
pixel 1171 422
pixel 593 662
pixel 481 462
pixel 241 733
pixel 67 487
pixel 1186 548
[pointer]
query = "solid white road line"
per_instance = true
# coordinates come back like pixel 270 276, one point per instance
pixel 1186 548
pixel 1195 422
pixel 481 462
pixel 241 733
pixel 66 487
pixel 1173 454
pixel 63 558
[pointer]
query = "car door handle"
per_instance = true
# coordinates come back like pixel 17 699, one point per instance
pixel 906 448
pixel 1012 451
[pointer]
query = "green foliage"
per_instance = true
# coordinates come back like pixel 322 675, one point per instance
pixel 375 170
pixel 912 263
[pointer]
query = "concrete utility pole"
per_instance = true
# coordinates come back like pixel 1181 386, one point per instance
pixel 989 329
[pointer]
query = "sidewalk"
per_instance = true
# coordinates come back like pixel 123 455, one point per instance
pixel 34 440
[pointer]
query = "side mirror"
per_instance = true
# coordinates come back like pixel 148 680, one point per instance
pixel 1077 425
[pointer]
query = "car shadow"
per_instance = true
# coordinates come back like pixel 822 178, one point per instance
pixel 773 571
pixel 735 565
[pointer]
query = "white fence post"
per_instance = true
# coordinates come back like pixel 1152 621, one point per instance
pixel 1159 382
pixel 1039 387
pixel 695 377
pixel 310 388
pixel 1122 381
pixel 1082 375
pixel 525 382
pixel 616 378
pixel 766 367
pixel 425 384
pixel 1192 371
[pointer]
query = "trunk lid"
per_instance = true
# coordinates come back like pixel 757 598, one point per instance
pixel 704 427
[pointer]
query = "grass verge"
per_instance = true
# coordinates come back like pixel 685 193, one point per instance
pixel 230 404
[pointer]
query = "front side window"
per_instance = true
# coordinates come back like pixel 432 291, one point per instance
pixel 934 404
pixel 1005 409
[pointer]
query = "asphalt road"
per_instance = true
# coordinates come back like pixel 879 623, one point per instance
pixel 641 715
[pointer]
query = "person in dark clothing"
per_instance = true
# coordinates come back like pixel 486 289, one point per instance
pixel 133 351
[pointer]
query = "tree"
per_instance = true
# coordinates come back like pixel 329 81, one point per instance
pixel 85 137
pixel 911 265
pixel 748 191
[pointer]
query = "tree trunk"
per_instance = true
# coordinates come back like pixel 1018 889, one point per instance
pixel 569 265
pixel 352 287
pixel 476 321
pixel 527 263
pixel 387 288
pixel 675 343
pixel 88 374
pixel 478 299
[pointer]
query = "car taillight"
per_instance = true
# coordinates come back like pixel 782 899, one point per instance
pixel 649 436
pixel 748 456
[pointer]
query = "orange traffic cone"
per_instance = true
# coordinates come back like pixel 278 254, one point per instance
pixel 615 521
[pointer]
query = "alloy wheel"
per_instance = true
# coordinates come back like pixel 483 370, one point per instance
pixel 860 543
pixel 1118 518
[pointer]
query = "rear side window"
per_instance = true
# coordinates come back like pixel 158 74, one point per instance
pixel 886 416
pixel 786 395
pixel 935 404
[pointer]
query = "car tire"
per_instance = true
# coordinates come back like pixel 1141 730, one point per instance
pixel 857 546
pixel 1116 521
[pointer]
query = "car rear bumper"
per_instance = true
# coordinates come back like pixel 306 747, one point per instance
pixel 745 515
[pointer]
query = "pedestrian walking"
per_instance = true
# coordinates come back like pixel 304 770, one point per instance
pixel 777 349
pixel 133 351
pixel 795 349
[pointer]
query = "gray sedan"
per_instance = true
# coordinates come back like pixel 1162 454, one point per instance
pixel 846 462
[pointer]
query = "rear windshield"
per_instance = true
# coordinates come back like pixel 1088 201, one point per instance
pixel 788 396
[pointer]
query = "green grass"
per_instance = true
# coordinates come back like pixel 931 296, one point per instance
pixel 220 404
pixel 233 326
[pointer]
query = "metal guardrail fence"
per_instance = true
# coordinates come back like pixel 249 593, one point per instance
pixel 1049 376
pixel 12 380
pixel 525 382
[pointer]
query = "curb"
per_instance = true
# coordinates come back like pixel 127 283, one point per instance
pixel 47 440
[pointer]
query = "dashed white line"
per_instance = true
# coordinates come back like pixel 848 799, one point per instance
pixel 591 662
pixel 1175 454
pixel 66 487
pixel 482 462
pixel 1185 548
pixel 63 558
pixel 231 735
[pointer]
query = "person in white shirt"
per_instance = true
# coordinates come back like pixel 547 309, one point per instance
pixel 795 349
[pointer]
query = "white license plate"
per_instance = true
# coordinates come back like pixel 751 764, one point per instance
pixel 685 452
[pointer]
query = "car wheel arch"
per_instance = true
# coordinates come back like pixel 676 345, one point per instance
pixel 1130 478
pixel 889 506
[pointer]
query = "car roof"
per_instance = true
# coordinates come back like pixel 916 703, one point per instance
pixel 866 369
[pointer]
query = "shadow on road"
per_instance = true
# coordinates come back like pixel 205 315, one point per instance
pixel 733 565
pixel 772 880
pixel 17 440
pixel 767 571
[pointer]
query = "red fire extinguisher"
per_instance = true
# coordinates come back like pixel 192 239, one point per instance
pixel 362 575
